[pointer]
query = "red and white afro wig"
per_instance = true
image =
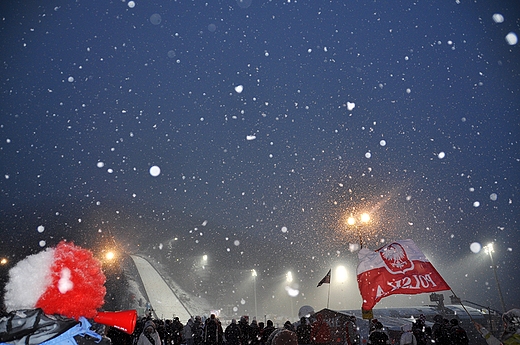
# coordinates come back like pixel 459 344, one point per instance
pixel 66 280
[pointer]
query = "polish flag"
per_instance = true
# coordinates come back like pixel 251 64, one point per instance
pixel 397 268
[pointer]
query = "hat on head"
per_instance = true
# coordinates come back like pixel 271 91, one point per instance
pixel 150 323
pixel 437 318
pixel 66 280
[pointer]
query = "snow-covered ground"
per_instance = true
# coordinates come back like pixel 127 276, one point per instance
pixel 163 300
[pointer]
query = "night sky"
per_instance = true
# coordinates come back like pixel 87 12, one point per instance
pixel 271 123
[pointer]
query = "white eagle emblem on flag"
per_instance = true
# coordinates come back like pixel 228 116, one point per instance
pixel 395 258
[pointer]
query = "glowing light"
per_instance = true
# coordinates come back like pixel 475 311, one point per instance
pixel 292 292
pixel 110 255
pixel 365 218
pixel 341 274
pixel 204 257
pixel 3 261
pixel 253 273
pixel 289 277
pixel 358 222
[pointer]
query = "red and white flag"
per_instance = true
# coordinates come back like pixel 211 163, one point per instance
pixel 397 268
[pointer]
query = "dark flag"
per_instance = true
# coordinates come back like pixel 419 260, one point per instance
pixel 325 280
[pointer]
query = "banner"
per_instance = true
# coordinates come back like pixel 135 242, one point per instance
pixel 397 268
pixel 325 280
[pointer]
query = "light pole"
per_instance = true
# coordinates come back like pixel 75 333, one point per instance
pixel 489 250
pixel 253 273
pixel 289 279
pixel 364 218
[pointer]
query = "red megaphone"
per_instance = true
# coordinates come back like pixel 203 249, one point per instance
pixel 123 320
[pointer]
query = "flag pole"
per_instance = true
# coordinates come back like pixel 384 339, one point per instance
pixel 463 306
pixel 466 310
pixel 328 296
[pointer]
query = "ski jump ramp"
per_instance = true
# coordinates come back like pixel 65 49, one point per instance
pixel 164 302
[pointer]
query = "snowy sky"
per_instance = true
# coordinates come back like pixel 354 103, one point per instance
pixel 266 124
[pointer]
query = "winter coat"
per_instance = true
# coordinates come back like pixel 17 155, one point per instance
pixel 458 336
pixel 143 340
pixel 266 333
pixel 197 330
pixel 254 333
pixel 407 338
pixel 492 340
pixel 244 332
pixel 512 340
pixel 320 332
pixel 285 337
pixel 378 337
pixel 303 331
pixel 272 335
pixel 212 332
pixel 177 330
pixel 352 334
pixel 154 335
pixel 32 326
pixel 187 332
pixel 440 333
pixel 232 334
